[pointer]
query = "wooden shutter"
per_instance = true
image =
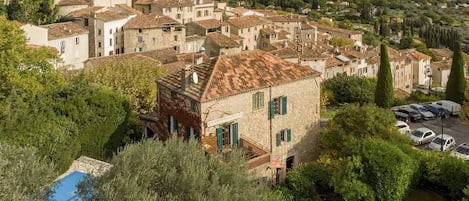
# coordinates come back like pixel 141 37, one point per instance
pixel 234 133
pixel 288 135
pixel 219 139
pixel 272 109
pixel 284 104
pixel 279 139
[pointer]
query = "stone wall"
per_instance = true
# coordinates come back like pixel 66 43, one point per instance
pixel 153 39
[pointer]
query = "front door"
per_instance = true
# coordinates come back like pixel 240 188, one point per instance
pixel 290 162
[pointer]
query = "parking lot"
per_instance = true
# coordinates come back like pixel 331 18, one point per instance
pixel 451 126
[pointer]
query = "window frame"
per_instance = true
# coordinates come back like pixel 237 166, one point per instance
pixel 258 101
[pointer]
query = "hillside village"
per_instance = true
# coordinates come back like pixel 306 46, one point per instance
pixel 239 55
pixel 234 76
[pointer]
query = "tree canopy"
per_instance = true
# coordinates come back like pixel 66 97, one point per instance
pixel 173 170
pixel 32 11
pixel 351 89
pixel 456 86
pixel 25 174
pixel 384 95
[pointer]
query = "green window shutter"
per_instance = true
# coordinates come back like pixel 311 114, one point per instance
pixel 188 133
pixel 272 109
pixel 234 132
pixel 284 104
pixel 254 102
pixel 288 135
pixel 279 139
pixel 219 139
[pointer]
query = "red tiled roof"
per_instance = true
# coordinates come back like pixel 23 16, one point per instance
pixel 149 21
pixel 305 25
pixel 267 31
pixel 174 3
pixel 110 15
pixel 247 21
pixel 72 2
pixel 128 9
pixel 286 53
pixel 209 24
pixel 85 11
pixel 286 18
pixel 445 65
pixel 444 52
pixel 419 56
pixel 235 74
pixel 63 30
pixel 332 61
pixel 239 10
pixel 222 40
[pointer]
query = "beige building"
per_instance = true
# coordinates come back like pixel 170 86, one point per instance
pixel 248 29
pixel 68 6
pixel 289 23
pixel 70 40
pixel 440 72
pixel 203 27
pixel 253 100
pixel 149 32
pixel 421 67
pixel 219 44
pixel 334 31
pixel 183 11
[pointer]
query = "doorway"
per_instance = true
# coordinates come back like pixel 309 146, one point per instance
pixel 290 162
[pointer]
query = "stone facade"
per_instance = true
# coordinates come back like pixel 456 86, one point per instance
pixel 144 39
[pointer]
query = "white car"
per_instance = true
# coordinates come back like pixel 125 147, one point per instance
pixel 442 141
pixel 422 135
pixel 402 127
pixel 462 151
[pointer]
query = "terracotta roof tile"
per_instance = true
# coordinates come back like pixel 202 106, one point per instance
pixel 267 31
pixel 72 2
pixel 287 18
pixel 332 62
pixel 444 52
pixel 239 10
pixel 247 21
pixel 209 24
pixel 305 25
pixel 194 37
pixel 85 11
pixel 222 40
pixel 266 12
pixel 283 35
pixel 373 60
pixel 235 36
pixel 419 56
pixel 234 74
pixel 149 21
pixel 143 2
pixel 445 65
pixel 110 15
pixel 128 9
pixel 286 53
pixel 63 30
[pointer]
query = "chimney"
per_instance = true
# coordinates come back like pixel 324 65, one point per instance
pixel 186 73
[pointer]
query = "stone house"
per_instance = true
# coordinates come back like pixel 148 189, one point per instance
pixel 266 105
pixel 149 32
pixel 70 40
pixel 219 44
pixel 334 31
pixel 68 6
pixel 440 72
pixel 248 28
pixel 182 10
pixel 308 33
pixel 421 67
pixel 290 23
pixel 204 9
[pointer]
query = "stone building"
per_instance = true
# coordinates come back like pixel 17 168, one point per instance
pixel 268 106
pixel 248 29
pixel 204 27
pixel 183 11
pixel 218 44
pixel 289 23
pixel 334 31
pixel 149 32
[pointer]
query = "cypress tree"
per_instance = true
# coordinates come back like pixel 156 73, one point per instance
pixel 456 85
pixel 384 95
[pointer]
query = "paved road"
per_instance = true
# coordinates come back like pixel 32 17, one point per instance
pixel 451 126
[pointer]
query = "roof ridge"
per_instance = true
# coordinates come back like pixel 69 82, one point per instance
pixel 209 81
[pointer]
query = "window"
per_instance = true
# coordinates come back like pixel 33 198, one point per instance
pixel 227 29
pixel 122 50
pixel 193 106
pixel 175 38
pixel 173 95
pixel 227 136
pixel 140 39
pixel 199 13
pixel 258 101
pixel 117 51
pixel 206 13
pixel 99 32
pixel 178 16
pixel 99 54
pixel 139 30
pixel 117 29
pixel 110 41
pixel 249 29
pixel 172 125
pixel 192 133
pixel 166 29
pixel 77 40
pixel 117 41
pixel 168 10
pixel 111 52
pixel 86 22
pixel 278 106
pixel 110 31
pixel 189 8
pixel 283 136
pixel 62 47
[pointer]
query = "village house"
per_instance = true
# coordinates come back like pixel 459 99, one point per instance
pixel 253 100
pixel 68 6
pixel 421 67
pixel 70 40
pixel 440 72
pixel 308 33
pixel 334 31
pixel 203 27
pixel 106 27
pixel 219 44
pixel 248 29
pixel 183 11
pixel 289 23
pixel 149 32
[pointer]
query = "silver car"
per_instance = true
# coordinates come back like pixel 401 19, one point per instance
pixel 423 111
pixel 462 151
pixel 422 135
pixel 442 141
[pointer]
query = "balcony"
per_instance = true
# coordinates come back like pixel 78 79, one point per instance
pixel 255 155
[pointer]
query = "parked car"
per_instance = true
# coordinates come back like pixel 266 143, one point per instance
pixel 422 135
pixel 438 90
pixel 462 151
pixel 452 107
pixel 424 112
pixel 414 116
pixel 401 116
pixel 437 110
pixel 403 127
pixel 443 140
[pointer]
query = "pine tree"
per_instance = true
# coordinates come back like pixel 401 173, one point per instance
pixel 384 96
pixel 456 85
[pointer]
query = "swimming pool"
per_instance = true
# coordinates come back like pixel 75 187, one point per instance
pixel 66 188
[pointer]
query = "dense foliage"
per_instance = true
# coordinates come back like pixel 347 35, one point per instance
pixel 174 170
pixel 32 11
pixel 351 89
pixel 24 174
pixel 133 77
pixel 456 86
pixel 384 95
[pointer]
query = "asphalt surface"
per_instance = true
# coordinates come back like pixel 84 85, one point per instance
pixel 451 126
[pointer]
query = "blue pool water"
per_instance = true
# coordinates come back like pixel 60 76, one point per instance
pixel 66 188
